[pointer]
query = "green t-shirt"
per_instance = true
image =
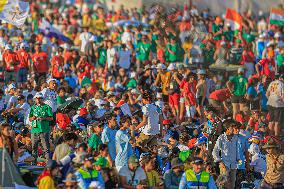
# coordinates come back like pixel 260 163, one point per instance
pixel 216 28
pixel 94 142
pixel 60 100
pixel 208 55
pixel 40 111
pixel 280 60
pixel 229 35
pixel 172 57
pixel 102 56
pixel 144 51
pixel 239 85
pixel 248 37
pixel 131 84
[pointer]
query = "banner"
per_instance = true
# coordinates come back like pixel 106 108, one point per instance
pixel 234 19
pixel 277 16
pixel 14 12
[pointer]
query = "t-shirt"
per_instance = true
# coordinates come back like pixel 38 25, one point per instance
pixel 85 37
pixel 220 95
pixel 49 97
pixel 25 111
pixel 11 60
pixel 110 57
pixel 165 79
pixel 172 53
pixel 94 142
pixel 144 51
pixel 280 60
pixel 258 163
pixel 124 59
pixel 153 178
pixel 61 151
pixel 12 100
pixel 276 89
pixel 108 136
pixel 139 175
pixel 24 58
pixel 60 100
pixel 57 67
pixel 40 62
pixel 239 85
pixel 152 127
pixel 102 55
pixel 267 67
pixel 40 111
pixel 123 148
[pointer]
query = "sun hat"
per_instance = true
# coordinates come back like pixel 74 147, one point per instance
pixel 161 66
pixel 176 162
pixel 172 67
pixel 270 144
pixel 201 72
pixel 38 95
pixel 133 160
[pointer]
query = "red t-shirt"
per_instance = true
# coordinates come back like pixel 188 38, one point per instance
pixel 40 62
pixel 57 67
pixel 220 95
pixel 86 68
pixel 189 91
pixel 267 67
pixel 247 56
pixel 24 58
pixel 62 120
pixel 11 60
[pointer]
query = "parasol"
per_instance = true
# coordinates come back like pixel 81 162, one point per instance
pixel 72 103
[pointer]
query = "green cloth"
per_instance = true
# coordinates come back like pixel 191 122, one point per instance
pixel 279 60
pixel 144 51
pixel 94 142
pixel 208 55
pixel 42 111
pixel 216 28
pixel 102 56
pixel 229 35
pixel 60 100
pixel 169 56
pixel 239 85
pixel 131 84
pixel 86 81
pixel 183 155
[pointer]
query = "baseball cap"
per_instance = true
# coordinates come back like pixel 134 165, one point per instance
pixel 89 158
pixel 241 70
pixel 38 95
pixel 133 160
pixel 197 160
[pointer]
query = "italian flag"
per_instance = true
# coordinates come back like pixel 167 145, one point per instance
pixel 234 19
pixel 277 16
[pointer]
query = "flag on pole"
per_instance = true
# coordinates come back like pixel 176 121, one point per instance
pixel 277 16
pixel 14 12
pixel 50 31
pixel 234 19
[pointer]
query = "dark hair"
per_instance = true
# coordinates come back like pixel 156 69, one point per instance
pixel 124 119
pixel 69 137
pixel 229 123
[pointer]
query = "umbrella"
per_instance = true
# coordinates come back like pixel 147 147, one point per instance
pixel 73 103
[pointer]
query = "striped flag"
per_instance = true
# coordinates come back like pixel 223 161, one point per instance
pixel 14 12
pixel 234 19
pixel 277 16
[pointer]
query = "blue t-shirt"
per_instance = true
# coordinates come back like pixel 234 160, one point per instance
pixel 252 91
pixel 243 146
pixel 123 147
pixel 108 136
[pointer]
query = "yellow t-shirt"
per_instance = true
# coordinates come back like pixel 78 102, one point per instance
pixel 46 182
pixel 153 178
pixel 165 79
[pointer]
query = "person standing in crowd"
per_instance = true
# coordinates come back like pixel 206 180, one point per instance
pixel 173 176
pixel 49 94
pixel 87 174
pixel 274 176
pixel 25 63
pixel 95 139
pixel 57 65
pixel 40 64
pixel 152 123
pixel 197 177
pixel 10 63
pixel 163 80
pixel 226 152
pixel 40 116
pixel 275 95
pixel 237 86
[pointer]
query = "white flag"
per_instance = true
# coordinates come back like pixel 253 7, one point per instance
pixel 14 11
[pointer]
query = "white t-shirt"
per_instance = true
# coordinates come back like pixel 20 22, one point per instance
pixel 124 59
pixel 85 37
pixel 126 36
pixel 152 127
pixel 276 89
pixel 139 175
pixel 49 97
pixel 11 100
pixel 26 93
pixel 258 163
pixel 110 57
pixel 25 110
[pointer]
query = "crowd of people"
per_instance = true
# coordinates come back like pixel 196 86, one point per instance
pixel 134 98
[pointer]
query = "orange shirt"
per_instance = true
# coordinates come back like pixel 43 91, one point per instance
pixel 11 60
pixel 24 58
pixel 67 56
pixel 40 62
pixel 57 63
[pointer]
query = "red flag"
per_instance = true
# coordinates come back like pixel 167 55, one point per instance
pixel 234 19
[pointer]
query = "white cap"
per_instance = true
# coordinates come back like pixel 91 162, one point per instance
pixel 38 95
pixel 135 91
pixel 159 95
pixel 50 80
pixel 201 72
pixel 277 35
pixel 241 70
pixel 161 67
pixel 24 45
pixel 8 47
pixel 261 36
pixel 172 66
pixel 11 86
